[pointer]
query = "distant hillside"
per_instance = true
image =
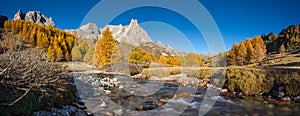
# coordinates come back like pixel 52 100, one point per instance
pixel 20 34
pixel 260 49
pixel 289 38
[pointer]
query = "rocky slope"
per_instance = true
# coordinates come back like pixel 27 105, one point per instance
pixel 88 31
pixel 131 34
pixel 34 16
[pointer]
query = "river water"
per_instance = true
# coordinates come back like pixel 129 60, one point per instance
pixel 149 98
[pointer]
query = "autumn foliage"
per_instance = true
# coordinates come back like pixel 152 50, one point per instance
pixel 289 38
pixel 58 43
pixel 247 52
pixel 169 61
pixel 191 60
pixel 106 50
pixel 140 57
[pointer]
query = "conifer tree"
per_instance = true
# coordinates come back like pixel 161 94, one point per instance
pixel 117 55
pixel 51 54
pixel 199 60
pixel 163 60
pixel 76 55
pixel 241 54
pixel 59 53
pixel 88 57
pixel 232 55
pixel 174 61
pixel 260 48
pixel 250 57
pixel 140 57
pixel 104 49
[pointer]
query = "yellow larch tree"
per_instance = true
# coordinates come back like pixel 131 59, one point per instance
pixel 104 49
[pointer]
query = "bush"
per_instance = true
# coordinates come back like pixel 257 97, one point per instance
pixel 255 81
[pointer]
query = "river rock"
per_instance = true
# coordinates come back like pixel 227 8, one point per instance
pixel 119 112
pixel 103 104
pixel 148 105
pixel 224 91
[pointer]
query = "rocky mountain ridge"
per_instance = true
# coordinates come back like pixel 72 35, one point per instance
pixel 34 16
pixel 131 34
pixel 87 31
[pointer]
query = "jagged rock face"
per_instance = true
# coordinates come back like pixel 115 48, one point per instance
pixel 132 34
pixel 88 31
pixel 19 15
pixel 36 17
pixel 2 20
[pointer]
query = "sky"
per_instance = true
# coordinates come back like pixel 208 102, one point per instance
pixel 237 20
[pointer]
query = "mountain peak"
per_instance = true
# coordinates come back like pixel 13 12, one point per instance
pixel 134 22
pixel 19 15
pixel 34 16
pixel 88 26
pixel 88 31
pixel 132 34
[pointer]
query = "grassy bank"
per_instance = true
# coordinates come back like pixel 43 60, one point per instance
pixel 246 80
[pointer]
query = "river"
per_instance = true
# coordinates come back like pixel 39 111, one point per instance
pixel 113 94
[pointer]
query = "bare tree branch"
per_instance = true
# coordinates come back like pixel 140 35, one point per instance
pixel 27 70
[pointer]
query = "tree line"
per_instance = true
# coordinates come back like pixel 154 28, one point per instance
pixel 247 52
pixel 107 52
pixel 288 39
pixel 62 46
pixel 57 43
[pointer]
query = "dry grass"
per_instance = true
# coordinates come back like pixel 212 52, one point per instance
pixel 282 60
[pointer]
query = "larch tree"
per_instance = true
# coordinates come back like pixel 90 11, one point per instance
pixel 163 60
pixel 88 57
pixel 232 55
pixel 51 54
pixel 76 54
pixel 59 53
pixel 250 57
pixel 174 61
pixel 199 60
pixel 140 57
pixel 104 49
pixel 260 48
pixel 117 54
pixel 241 54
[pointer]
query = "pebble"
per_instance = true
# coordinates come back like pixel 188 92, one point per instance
pixel 108 114
pixel 286 99
pixel 103 104
pixel 118 112
pixel 224 91
pixel 297 98
pixel 121 87
pixel 132 92
pixel 107 91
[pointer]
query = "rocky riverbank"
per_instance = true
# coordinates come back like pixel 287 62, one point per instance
pixel 77 108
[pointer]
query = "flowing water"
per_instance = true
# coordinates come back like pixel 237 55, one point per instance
pixel 148 98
